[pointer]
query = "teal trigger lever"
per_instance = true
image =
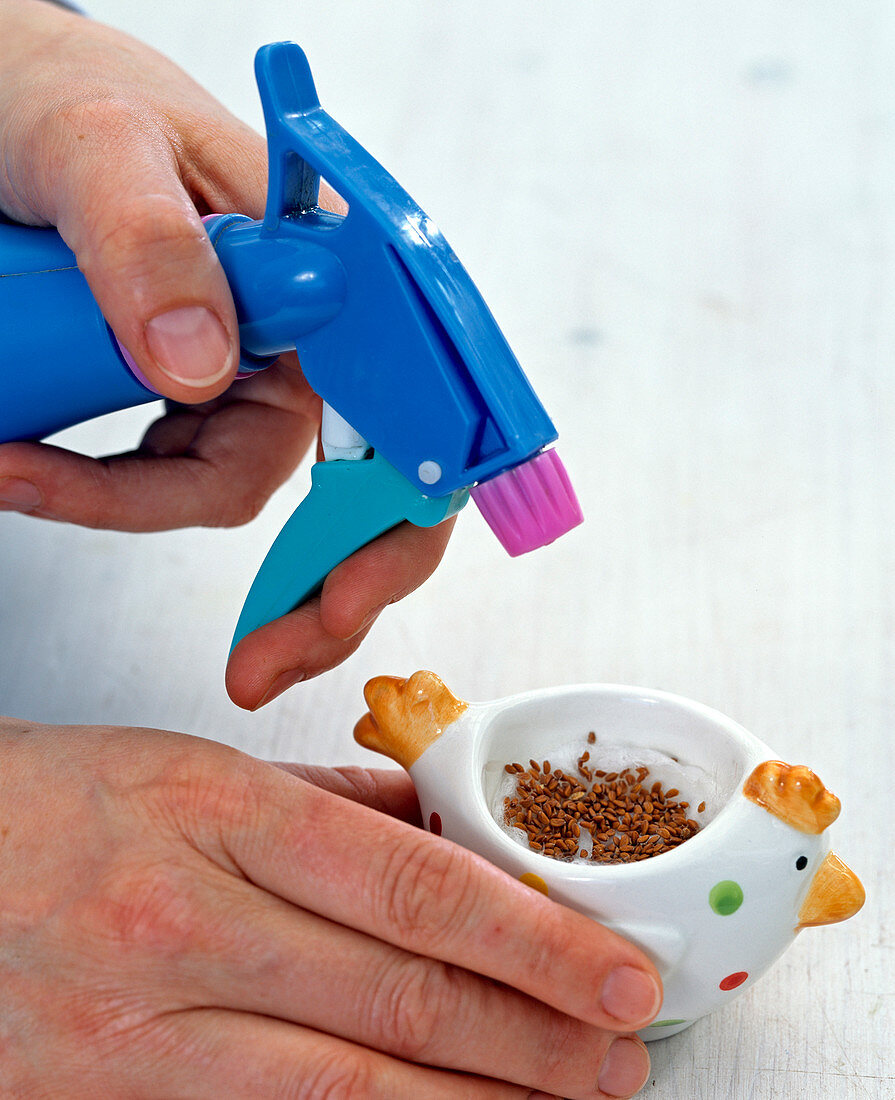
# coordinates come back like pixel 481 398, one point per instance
pixel 424 402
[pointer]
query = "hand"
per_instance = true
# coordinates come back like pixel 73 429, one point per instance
pixel 123 152
pixel 178 919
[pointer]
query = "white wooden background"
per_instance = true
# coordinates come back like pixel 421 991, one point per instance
pixel 683 216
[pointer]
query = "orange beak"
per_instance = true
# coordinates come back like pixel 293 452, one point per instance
pixel 835 894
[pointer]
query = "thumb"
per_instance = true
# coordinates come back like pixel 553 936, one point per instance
pixel 140 243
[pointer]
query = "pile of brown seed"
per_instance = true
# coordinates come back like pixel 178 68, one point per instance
pixel 626 820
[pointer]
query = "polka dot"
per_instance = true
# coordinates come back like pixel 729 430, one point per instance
pixel 435 824
pixel 801 863
pixel 733 980
pixel 534 881
pixel 726 897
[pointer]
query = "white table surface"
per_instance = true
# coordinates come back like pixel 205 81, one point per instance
pixel 683 217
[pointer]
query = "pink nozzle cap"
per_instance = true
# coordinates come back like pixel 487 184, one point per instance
pixel 530 505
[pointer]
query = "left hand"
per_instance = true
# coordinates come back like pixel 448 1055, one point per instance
pixel 85 113
pixel 178 919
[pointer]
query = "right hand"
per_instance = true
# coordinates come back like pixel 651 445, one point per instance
pixel 122 151
pixel 180 920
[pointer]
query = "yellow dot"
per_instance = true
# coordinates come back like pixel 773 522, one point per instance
pixel 535 882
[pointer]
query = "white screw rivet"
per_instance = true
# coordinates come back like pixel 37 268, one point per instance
pixel 429 472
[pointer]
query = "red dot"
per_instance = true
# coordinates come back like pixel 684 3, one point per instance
pixel 733 980
pixel 435 824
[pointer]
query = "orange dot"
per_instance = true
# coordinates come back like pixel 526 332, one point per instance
pixel 535 882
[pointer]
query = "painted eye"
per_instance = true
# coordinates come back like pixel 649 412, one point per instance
pixel 801 863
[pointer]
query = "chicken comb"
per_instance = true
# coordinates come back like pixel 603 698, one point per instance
pixel 793 793
pixel 406 716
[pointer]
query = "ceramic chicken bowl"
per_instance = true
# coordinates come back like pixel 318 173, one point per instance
pixel 714 911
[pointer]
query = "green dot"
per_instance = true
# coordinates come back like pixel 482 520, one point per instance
pixel 726 897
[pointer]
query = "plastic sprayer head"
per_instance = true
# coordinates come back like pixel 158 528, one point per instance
pixel 530 505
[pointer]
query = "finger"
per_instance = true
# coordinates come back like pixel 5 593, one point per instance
pixel 221 480
pixel 387 790
pixel 425 895
pixel 283 653
pixel 330 978
pixel 331 200
pixel 123 162
pixel 144 250
pixel 381 573
pixel 209 1053
pixel 225 163
pixel 325 631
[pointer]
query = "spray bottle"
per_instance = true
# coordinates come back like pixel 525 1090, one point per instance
pixel 424 402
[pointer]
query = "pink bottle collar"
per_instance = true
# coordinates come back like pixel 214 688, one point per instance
pixel 531 505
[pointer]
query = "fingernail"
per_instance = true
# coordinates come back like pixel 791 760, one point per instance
pixel 625 1068
pixel 630 995
pixel 190 345
pixel 18 495
pixel 283 681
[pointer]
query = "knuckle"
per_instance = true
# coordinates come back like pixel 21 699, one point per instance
pixel 140 236
pixel 428 891
pixel 208 788
pixel 334 1074
pixel 410 1003
pixel 143 224
pixel 238 508
pixel 567 1051
pixel 360 785
pixel 148 908
pixel 550 940
pixel 214 469
pixel 97 498
pixel 91 114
